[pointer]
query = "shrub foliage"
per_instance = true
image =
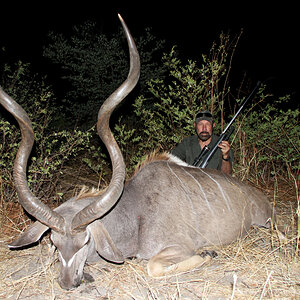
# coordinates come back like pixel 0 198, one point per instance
pixel 52 148
pixel 265 142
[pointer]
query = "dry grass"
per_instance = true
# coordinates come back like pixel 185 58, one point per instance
pixel 263 265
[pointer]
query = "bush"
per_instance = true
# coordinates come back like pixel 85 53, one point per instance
pixel 92 65
pixel 266 139
pixel 166 112
pixel 52 149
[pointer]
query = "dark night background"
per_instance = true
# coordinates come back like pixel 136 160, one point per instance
pixel 267 47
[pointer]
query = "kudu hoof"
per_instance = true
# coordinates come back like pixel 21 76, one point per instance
pixel 210 253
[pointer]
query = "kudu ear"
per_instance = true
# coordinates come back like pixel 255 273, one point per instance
pixel 31 235
pixel 103 243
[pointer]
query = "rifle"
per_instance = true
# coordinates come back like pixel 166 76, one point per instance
pixel 224 135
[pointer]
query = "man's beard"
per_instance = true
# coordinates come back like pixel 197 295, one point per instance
pixel 204 136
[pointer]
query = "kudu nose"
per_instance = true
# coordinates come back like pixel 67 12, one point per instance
pixel 68 283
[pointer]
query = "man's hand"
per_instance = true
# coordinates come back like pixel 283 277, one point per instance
pixel 225 148
pixel 226 165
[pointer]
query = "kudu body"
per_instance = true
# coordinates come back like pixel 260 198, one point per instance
pixel 166 211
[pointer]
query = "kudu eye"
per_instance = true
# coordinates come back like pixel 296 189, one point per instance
pixel 53 240
pixel 81 241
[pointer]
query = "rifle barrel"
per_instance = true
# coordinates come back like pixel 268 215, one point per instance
pixel 242 106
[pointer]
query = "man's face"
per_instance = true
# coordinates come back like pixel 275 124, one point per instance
pixel 204 129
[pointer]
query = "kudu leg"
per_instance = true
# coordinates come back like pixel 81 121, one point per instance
pixel 174 259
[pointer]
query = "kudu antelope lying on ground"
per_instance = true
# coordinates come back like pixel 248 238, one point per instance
pixel 164 214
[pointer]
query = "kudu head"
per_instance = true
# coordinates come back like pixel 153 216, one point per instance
pixel 76 230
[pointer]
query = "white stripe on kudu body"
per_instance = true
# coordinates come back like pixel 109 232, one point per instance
pixel 220 188
pixel 201 190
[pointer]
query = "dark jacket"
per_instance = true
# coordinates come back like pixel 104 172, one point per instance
pixel 190 148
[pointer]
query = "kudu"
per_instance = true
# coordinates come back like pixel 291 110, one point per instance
pixel 165 213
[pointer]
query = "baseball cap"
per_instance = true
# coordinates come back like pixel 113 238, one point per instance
pixel 204 115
